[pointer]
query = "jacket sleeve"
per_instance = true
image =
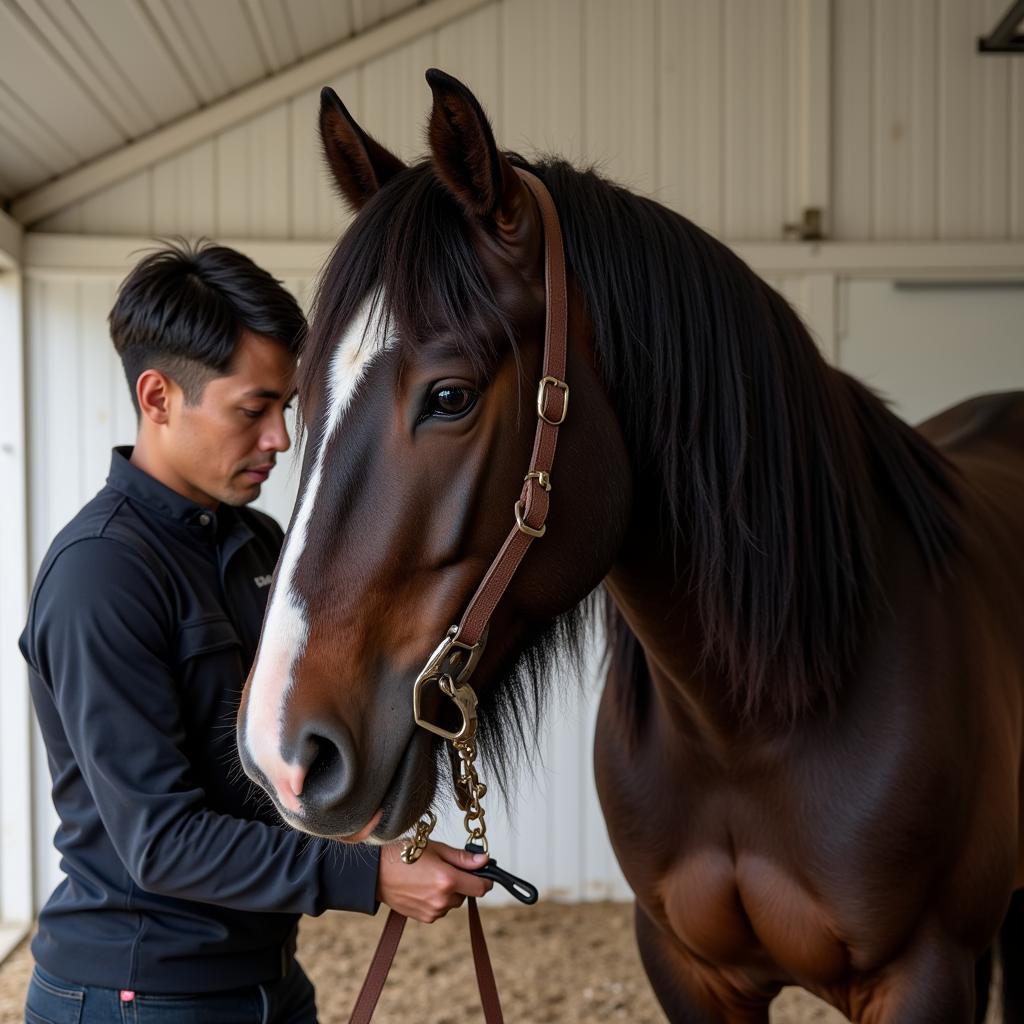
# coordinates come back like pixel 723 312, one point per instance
pixel 101 634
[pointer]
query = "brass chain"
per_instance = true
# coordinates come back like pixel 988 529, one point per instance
pixel 413 849
pixel 469 791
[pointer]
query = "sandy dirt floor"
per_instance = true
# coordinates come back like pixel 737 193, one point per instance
pixel 554 963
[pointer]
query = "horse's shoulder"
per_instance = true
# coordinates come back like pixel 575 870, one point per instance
pixel 997 417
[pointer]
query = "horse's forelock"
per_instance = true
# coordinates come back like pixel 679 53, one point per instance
pixel 411 249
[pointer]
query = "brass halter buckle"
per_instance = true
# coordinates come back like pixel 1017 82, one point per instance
pixel 449 667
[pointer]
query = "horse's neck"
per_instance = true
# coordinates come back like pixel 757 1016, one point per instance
pixel 646 585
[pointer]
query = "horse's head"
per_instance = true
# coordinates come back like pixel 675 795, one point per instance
pixel 418 390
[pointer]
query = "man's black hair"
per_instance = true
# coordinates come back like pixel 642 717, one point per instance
pixel 183 308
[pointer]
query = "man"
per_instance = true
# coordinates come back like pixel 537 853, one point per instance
pixel 183 892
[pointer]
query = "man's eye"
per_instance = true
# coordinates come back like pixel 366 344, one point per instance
pixel 253 414
pixel 451 402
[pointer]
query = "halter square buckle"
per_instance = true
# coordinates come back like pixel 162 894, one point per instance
pixel 542 394
pixel 449 668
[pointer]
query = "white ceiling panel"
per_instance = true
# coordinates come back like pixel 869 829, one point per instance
pixel 80 78
pixel 231 42
pixel 32 135
pixel 19 164
pixel 34 71
pixel 69 34
pixel 137 56
pixel 274 31
pixel 315 22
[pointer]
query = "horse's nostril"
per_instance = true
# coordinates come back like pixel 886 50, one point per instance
pixel 326 760
pixel 327 753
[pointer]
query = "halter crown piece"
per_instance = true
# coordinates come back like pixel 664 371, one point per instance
pixel 453 661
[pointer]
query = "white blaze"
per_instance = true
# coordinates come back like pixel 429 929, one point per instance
pixel 285 628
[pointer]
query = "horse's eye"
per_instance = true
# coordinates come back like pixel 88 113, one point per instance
pixel 450 401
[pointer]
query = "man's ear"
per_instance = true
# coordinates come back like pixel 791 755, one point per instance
pixel 466 157
pixel 154 391
pixel 360 164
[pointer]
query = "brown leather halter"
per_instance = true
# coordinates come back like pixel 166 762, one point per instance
pixel 458 653
pixel 455 658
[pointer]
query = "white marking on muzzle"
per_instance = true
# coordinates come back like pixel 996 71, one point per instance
pixel 285 627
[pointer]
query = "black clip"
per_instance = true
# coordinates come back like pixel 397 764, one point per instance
pixel 521 889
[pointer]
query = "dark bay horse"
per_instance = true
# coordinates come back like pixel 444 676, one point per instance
pixel 809 745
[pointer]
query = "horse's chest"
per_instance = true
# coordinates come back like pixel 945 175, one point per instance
pixel 748 911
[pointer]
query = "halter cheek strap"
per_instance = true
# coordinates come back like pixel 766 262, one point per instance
pixel 531 510
pixel 455 658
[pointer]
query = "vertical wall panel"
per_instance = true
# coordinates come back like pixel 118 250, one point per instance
pixel 16 797
pixel 232 195
pixel 121 209
pixel 269 177
pixel 852 105
pixel 98 398
pixel 620 74
pixel 905 119
pixel 754 118
pixel 396 98
pixel 973 151
pixel 183 193
pixel 690 128
pixel 316 209
pixel 68 220
pixel 470 49
pixel 542 97
pixel 1016 155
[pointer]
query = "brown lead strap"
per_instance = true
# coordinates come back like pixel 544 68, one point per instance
pixel 380 967
pixel 484 972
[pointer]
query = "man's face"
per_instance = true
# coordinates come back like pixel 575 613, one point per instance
pixel 223 448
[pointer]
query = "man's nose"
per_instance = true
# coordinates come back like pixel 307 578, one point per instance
pixel 276 439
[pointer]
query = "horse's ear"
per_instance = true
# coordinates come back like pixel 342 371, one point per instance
pixel 360 164
pixel 466 157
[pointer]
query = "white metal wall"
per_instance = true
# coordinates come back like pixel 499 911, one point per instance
pixel 738 113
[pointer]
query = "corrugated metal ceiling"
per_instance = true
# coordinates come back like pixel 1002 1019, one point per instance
pixel 80 78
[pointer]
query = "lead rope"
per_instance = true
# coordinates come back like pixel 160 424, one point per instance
pixel 452 663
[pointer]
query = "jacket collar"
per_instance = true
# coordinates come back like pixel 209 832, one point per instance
pixel 138 485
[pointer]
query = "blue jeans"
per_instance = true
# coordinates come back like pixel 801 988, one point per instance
pixel 51 1000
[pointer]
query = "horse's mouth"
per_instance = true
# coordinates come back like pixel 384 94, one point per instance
pixel 366 831
pixel 410 791
pixel 407 796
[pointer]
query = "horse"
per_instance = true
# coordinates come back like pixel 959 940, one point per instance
pixel 808 748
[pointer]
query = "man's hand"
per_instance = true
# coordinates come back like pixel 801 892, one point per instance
pixel 438 882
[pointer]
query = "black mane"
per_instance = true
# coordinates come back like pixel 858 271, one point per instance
pixel 771 467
